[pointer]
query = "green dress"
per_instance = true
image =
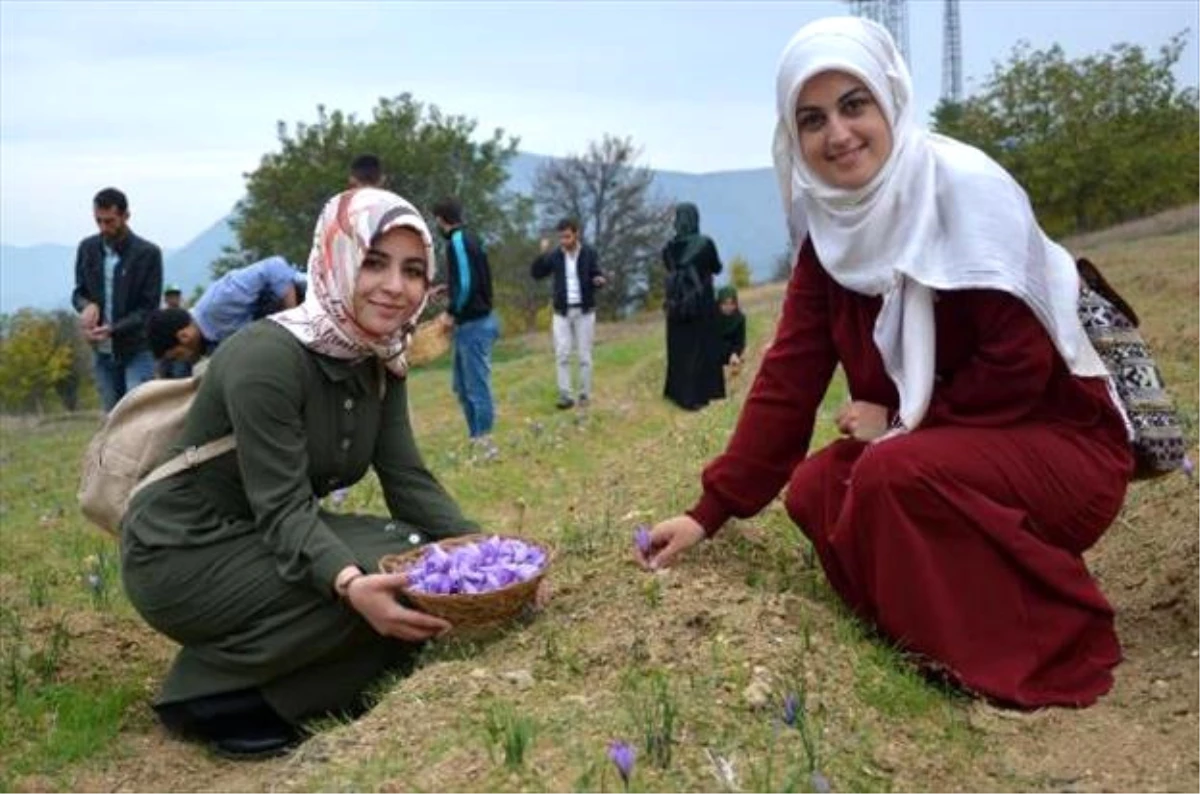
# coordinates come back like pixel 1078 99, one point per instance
pixel 235 560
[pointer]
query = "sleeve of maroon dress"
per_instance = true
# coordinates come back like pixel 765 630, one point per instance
pixel 1007 376
pixel 776 423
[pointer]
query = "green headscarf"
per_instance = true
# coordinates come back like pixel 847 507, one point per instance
pixel 687 242
pixel 728 323
pixel 687 220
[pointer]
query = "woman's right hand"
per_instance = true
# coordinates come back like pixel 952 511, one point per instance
pixel 669 539
pixel 374 597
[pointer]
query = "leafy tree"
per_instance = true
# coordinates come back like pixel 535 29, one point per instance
pixel 516 296
pixel 77 376
pixel 425 154
pixel 609 195
pixel 739 272
pixel 33 360
pixel 1095 141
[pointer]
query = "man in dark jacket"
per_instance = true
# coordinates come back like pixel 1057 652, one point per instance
pixel 577 275
pixel 118 282
pixel 470 315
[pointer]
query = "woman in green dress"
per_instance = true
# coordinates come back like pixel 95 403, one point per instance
pixel 731 327
pixel 272 598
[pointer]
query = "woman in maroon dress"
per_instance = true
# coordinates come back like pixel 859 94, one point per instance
pixel 982 450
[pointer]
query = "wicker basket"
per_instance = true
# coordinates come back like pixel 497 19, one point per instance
pixel 464 610
pixel 429 342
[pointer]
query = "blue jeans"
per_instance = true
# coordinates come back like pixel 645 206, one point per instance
pixel 115 379
pixel 473 372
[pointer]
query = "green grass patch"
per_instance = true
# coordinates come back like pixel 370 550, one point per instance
pixel 48 730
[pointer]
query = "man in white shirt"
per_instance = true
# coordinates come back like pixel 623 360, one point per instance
pixel 577 275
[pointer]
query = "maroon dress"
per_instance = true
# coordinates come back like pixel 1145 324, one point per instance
pixel 960 540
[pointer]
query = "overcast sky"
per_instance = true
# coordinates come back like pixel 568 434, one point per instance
pixel 173 102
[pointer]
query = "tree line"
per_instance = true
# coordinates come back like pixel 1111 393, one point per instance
pixel 1096 141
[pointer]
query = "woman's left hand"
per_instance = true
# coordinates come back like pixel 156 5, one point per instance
pixel 374 597
pixel 862 420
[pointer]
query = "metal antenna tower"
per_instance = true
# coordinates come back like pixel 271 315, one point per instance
pixel 951 54
pixel 892 14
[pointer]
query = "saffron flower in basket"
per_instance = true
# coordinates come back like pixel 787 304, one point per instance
pixel 477 567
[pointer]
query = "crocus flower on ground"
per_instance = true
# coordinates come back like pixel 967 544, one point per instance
pixel 474 568
pixel 641 538
pixel 623 756
pixel 791 709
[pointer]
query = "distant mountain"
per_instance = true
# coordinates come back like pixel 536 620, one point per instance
pixel 40 276
pixel 738 209
pixel 189 266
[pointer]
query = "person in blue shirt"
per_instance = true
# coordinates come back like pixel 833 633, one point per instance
pixel 469 279
pixel 233 301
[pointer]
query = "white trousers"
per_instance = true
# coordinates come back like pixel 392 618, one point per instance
pixel 576 330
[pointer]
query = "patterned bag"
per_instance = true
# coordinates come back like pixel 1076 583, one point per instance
pixel 1112 325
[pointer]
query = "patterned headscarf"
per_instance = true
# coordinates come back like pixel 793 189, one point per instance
pixel 325 322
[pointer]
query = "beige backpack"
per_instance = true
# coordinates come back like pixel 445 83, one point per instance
pixel 119 460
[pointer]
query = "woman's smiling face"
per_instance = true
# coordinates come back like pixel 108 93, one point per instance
pixel 391 282
pixel 843 134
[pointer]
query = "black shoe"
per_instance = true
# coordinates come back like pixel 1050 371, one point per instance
pixel 239 724
pixel 251 748
pixel 564 403
pixel 583 401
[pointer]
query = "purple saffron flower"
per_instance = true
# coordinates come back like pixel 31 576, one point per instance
pixel 641 539
pixel 337 497
pixel 820 783
pixel 467 555
pixel 622 755
pixel 439 583
pixel 482 567
pixel 1188 467
pixel 791 710
pixel 436 559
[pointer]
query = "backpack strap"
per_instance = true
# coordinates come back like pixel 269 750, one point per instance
pixel 1093 278
pixel 189 458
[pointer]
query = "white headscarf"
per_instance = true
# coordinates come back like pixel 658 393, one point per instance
pixel 939 215
pixel 325 322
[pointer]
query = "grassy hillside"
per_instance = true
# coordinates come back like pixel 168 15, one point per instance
pixel 694 662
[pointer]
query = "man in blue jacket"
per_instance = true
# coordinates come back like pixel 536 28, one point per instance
pixel 118 283
pixel 577 275
pixel 230 303
pixel 469 279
